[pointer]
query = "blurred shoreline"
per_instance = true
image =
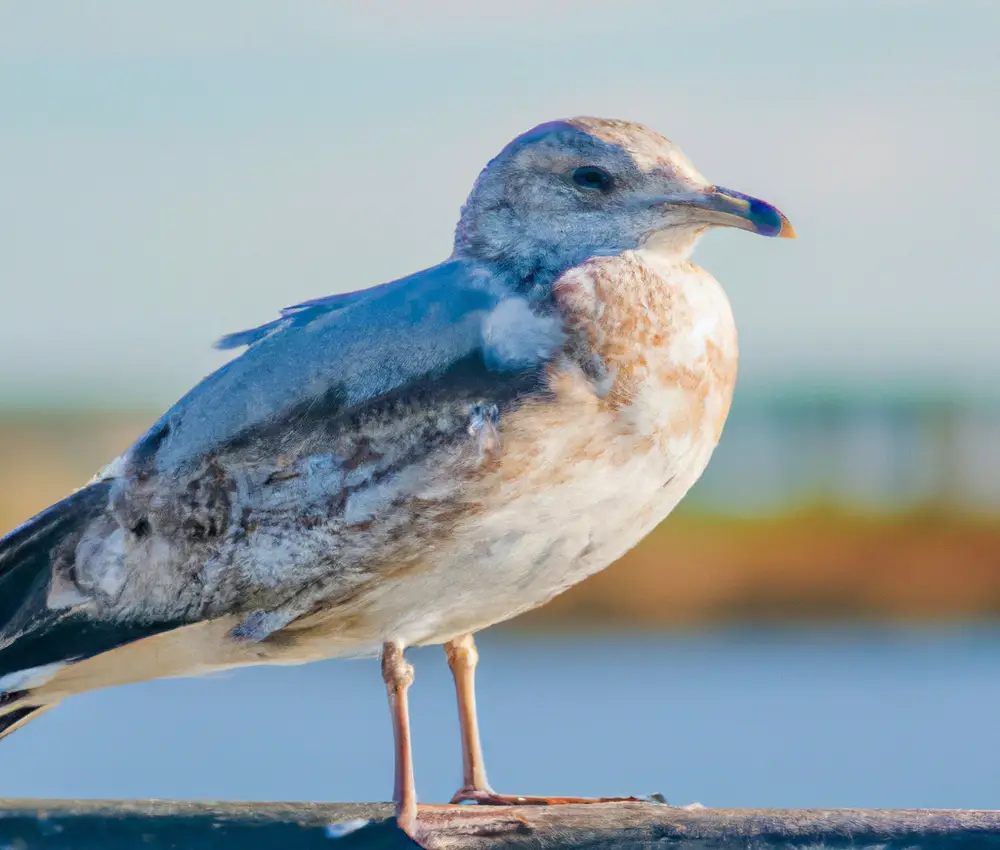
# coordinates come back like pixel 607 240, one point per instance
pixel 820 566
pixel 809 562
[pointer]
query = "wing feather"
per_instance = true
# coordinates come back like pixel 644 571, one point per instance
pixel 301 313
pixel 374 375
pixel 333 355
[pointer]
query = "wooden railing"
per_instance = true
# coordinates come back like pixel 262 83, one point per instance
pixel 156 824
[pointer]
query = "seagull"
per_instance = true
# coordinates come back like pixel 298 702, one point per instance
pixel 410 463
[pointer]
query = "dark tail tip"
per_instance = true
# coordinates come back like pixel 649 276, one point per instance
pixel 19 716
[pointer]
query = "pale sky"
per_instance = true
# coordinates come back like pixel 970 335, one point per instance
pixel 171 172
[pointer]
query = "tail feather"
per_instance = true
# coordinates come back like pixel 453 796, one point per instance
pixel 26 552
pixel 35 640
pixel 14 720
pixel 27 556
pixel 16 546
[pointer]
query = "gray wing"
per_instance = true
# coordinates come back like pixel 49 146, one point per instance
pixel 260 480
pixel 268 475
pixel 329 356
pixel 302 313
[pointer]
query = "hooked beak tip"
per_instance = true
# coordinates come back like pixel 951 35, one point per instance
pixel 786 231
pixel 762 217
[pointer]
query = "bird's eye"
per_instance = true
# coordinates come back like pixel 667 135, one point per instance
pixel 592 177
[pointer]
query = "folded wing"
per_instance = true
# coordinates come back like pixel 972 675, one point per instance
pixel 252 485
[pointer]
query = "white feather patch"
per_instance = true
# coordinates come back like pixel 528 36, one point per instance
pixel 25 680
pixel 514 336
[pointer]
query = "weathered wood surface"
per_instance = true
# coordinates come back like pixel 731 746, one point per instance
pixel 155 824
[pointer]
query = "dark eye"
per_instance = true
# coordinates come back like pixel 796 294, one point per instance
pixel 592 177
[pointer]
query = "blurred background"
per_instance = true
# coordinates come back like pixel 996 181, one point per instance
pixel 814 626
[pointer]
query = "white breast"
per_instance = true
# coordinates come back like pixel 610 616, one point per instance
pixel 583 479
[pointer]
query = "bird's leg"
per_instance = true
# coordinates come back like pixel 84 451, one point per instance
pixel 462 659
pixel 398 675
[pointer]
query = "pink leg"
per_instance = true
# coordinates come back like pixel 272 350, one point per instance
pixel 462 659
pixel 398 675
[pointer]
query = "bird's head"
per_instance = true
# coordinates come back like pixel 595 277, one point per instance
pixel 570 189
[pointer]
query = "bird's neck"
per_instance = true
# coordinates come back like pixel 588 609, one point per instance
pixel 532 265
pixel 673 244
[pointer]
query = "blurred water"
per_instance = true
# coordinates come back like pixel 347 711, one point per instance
pixel 849 717
pixel 781 451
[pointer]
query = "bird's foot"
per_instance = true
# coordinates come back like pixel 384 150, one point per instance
pixel 489 797
pixel 406 820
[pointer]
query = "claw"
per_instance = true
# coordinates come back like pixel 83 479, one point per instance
pixel 488 797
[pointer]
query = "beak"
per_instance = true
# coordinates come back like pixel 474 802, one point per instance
pixel 734 209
